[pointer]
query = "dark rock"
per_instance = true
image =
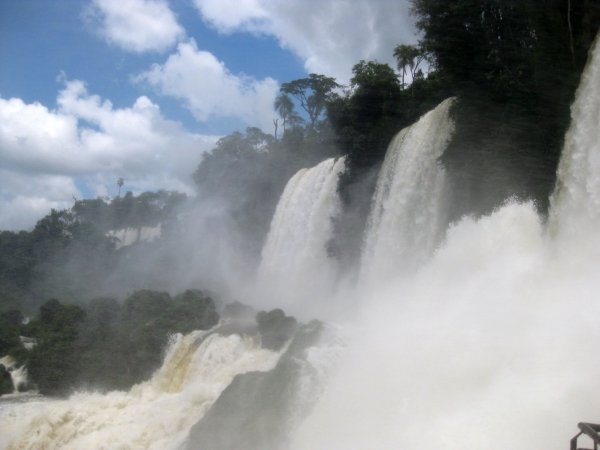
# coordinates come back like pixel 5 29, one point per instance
pixel 258 410
pixel 6 384
pixel 275 328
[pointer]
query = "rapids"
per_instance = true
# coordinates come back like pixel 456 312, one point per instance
pixel 157 414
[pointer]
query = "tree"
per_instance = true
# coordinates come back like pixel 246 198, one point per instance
pixel 120 183
pixel 409 56
pixel 285 107
pixel 312 93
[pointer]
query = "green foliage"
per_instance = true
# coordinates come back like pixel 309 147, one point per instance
pixel 147 209
pixel 111 346
pixel 68 255
pixel 9 332
pixel 52 363
pixel 312 93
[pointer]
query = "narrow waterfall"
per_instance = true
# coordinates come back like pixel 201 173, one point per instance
pixel 295 254
pixel 130 236
pixel 575 204
pixel 407 220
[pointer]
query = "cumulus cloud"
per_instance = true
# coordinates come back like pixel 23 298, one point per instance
pixel 329 35
pixel 136 25
pixel 46 154
pixel 210 90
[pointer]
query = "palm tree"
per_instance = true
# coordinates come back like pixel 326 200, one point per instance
pixel 120 183
pixel 285 107
pixel 409 56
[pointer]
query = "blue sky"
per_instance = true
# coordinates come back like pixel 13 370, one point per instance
pixel 94 90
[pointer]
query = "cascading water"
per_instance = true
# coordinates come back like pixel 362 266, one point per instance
pixel 407 221
pixel 157 414
pixel 294 258
pixel 493 343
pixel 576 201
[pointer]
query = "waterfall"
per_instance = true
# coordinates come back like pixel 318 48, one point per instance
pixel 407 221
pixel 575 204
pixel 295 256
pixel 130 236
pixel 493 342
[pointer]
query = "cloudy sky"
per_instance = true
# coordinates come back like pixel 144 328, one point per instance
pixel 94 90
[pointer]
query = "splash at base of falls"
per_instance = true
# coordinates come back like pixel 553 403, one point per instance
pixel 492 344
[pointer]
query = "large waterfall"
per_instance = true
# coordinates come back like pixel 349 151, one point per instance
pixel 407 220
pixel 294 258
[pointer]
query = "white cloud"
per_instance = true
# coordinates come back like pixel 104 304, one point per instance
pixel 210 90
pixel 329 35
pixel 44 152
pixel 25 199
pixel 136 25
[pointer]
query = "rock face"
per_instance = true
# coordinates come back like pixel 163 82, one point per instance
pixel 258 409
pixel 275 328
pixel 6 384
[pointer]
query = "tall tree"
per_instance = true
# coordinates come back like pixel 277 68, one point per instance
pixel 285 107
pixel 409 56
pixel 120 183
pixel 312 93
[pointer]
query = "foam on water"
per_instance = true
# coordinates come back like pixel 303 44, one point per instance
pixel 156 414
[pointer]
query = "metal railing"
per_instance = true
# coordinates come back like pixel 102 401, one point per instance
pixel 589 429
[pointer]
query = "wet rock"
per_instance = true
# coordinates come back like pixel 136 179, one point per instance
pixel 258 410
pixel 6 384
pixel 275 328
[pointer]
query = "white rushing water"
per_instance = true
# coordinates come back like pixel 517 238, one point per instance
pixel 130 236
pixel 294 258
pixel 493 343
pixel 157 414
pixel 17 374
pixel 407 215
